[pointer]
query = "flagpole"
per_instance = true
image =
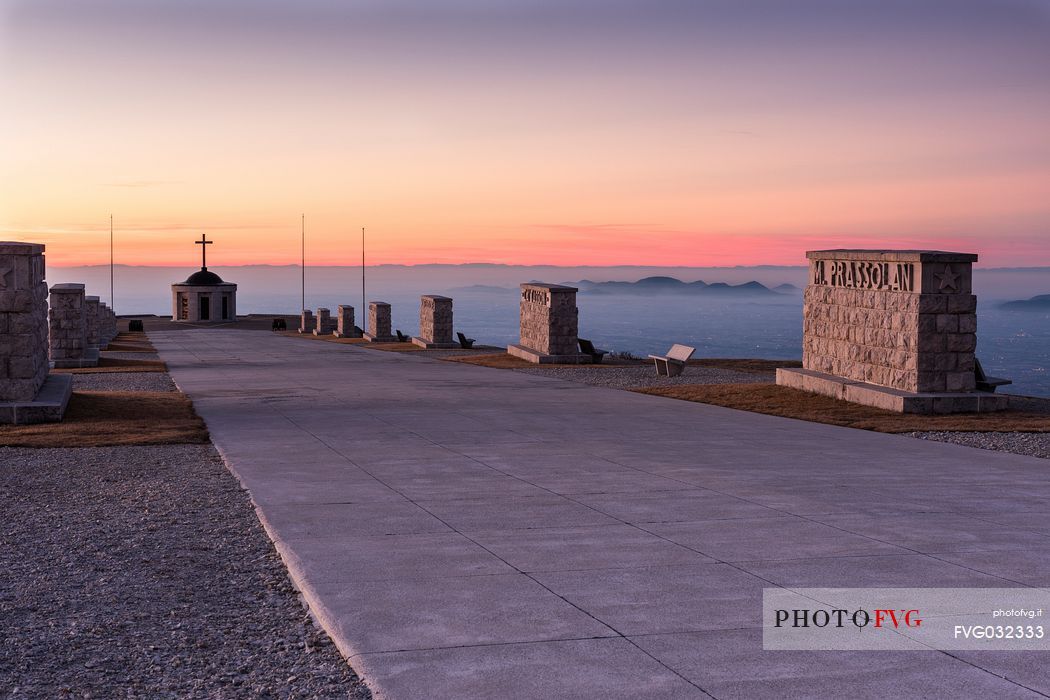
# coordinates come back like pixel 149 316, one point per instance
pixel 363 309
pixel 302 242
pixel 112 299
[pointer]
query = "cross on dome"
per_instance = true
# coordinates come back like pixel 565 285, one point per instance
pixel 204 243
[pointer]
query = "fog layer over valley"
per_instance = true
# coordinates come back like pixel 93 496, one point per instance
pixel 727 316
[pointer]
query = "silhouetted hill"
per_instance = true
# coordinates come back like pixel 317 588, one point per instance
pixel 1036 303
pixel 671 285
pixel 482 288
pixel 786 288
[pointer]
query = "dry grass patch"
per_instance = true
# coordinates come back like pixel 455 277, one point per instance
pixel 389 347
pixel 112 364
pixel 106 418
pixel 394 347
pixel 503 360
pixel 749 366
pixel 775 400
pixel 130 342
pixel 499 360
pixel 326 338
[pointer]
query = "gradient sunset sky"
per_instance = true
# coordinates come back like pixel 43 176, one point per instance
pixel 571 132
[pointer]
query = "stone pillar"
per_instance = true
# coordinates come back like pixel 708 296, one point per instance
pixel 379 323
pixel 894 329
pixel 325 323
pixel 91 315
pixel 23 323
pixel 306 321
pixel 549 323
pixel 107 324
pixel 435 322
pixel 345 327
pixel 68 323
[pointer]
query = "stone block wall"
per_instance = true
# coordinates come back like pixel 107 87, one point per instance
pixel 900 319
pixel 68 323
pixel 107 324
pixel 23 321
pixel 435 319
pixel 379 319
pixel 549 321
pixel 325 322
pixel 344 322
pixel 306 322
pixel 92 318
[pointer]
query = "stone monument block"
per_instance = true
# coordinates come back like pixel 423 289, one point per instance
pixel 549 325
pixel 379 323
pixel 891 328
pixel 69 328
pixel 91 309
pixel 27 393
pixel 306 322
pixel 107 324
pixel 325 323
pixel 344 323
pixel 435 322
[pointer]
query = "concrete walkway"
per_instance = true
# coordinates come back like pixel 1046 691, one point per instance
pixel 464 532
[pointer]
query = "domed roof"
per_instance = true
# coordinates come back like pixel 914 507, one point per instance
pixel 203 277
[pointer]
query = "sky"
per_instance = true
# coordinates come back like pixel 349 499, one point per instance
pixel 565 132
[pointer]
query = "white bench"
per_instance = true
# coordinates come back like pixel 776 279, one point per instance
pixel 672 364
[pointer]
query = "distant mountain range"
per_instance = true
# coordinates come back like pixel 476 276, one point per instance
pixel 1036 303
pixel 657 285
pixel 671 285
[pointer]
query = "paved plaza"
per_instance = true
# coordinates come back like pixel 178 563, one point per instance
pixel 468 532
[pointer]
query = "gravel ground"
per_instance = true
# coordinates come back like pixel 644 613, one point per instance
pixel 1031 444
pixel 143 572
pixel 123 381
pixel 130 355
pixel 644 376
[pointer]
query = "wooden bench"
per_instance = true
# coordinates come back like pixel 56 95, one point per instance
pixel 984 382
pixel 672 364
pixel 465 342
pixel 587 348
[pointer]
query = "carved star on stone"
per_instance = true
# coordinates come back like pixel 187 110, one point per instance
pixel 5 273
pixel 948 279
